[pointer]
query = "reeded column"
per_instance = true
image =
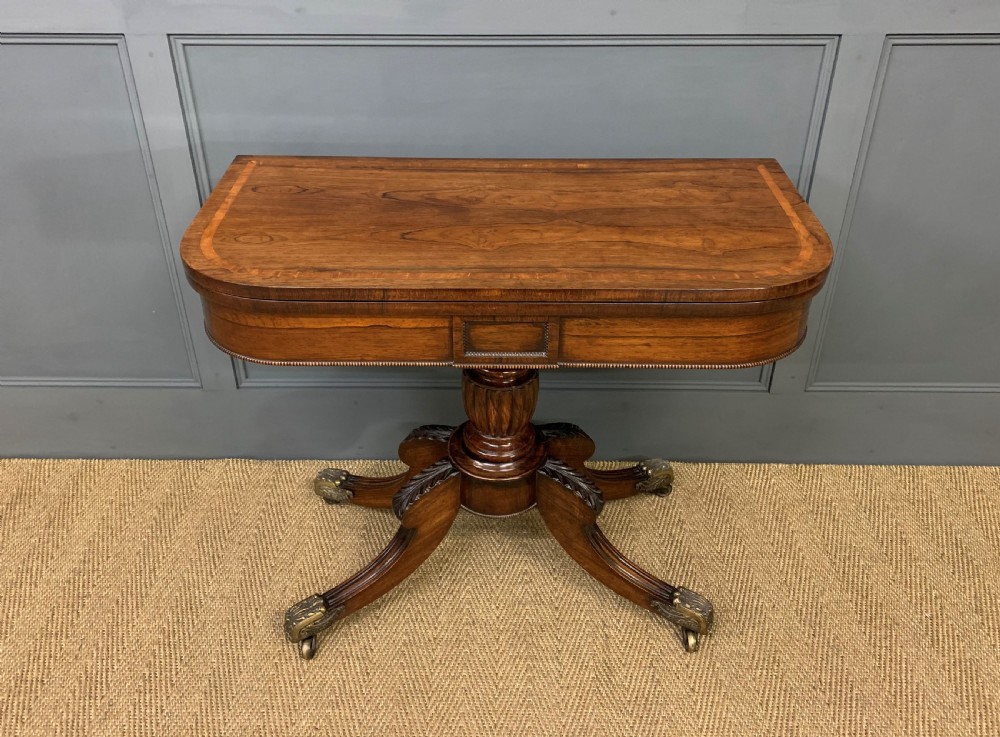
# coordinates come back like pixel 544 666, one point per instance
pixel 498 445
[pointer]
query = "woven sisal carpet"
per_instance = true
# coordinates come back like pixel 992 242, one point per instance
pixel 146 597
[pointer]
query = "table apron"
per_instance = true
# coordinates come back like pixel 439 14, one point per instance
pixel 656 335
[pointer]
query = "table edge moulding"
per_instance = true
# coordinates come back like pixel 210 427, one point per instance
pixel 502 267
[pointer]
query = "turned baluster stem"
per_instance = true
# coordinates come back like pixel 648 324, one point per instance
pixel 498 449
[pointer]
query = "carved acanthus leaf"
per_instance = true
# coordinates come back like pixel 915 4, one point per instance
pixel 559 430
pixel 439 433
pixel 421 484
pixel 575 482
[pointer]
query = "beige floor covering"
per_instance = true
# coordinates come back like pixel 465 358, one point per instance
pixel 145 598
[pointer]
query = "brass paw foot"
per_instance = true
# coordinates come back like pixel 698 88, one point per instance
pixel 653 476
pixel 329 485
pixel 657 477
pixel 336 486
pixel 304 620
pixel 691 612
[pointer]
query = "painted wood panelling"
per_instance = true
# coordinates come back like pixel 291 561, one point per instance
pixel 892 136
pixel 915 302
pixel 88 291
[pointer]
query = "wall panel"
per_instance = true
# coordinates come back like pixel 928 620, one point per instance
pixel 915 302
pixel 88 291
pixel 892 136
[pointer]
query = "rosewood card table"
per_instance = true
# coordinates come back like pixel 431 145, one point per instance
pixel 504 268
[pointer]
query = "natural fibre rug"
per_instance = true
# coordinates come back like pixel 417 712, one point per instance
pixel 146 598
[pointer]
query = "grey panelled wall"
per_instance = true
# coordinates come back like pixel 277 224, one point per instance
pixel 79 212
pixel 505 97
pixel 115 119
pixel 921 256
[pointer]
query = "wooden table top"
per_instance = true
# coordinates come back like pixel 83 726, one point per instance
pixel 526 231
pixel 506 263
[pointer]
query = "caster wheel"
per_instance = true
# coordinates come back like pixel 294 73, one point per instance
pixel 305 619
pixel 659 477
pixel 329 486
pixel 307 648
pixel 691 612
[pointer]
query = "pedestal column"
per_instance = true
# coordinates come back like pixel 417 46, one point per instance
pixel 498 450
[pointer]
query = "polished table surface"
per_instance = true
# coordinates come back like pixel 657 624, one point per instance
pixel 506 262
pixel 502 268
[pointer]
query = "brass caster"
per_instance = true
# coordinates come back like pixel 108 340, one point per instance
pixel 658 477
pixel 307 648
pixel 330 486
pixel 691 612
pixel 305 620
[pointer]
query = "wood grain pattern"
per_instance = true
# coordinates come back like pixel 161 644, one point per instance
pixel 573 523
pixel 424 525
pixel 506 230
pixel 506 263
pixel 499 442
pixel 369 491
pixel 681 341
